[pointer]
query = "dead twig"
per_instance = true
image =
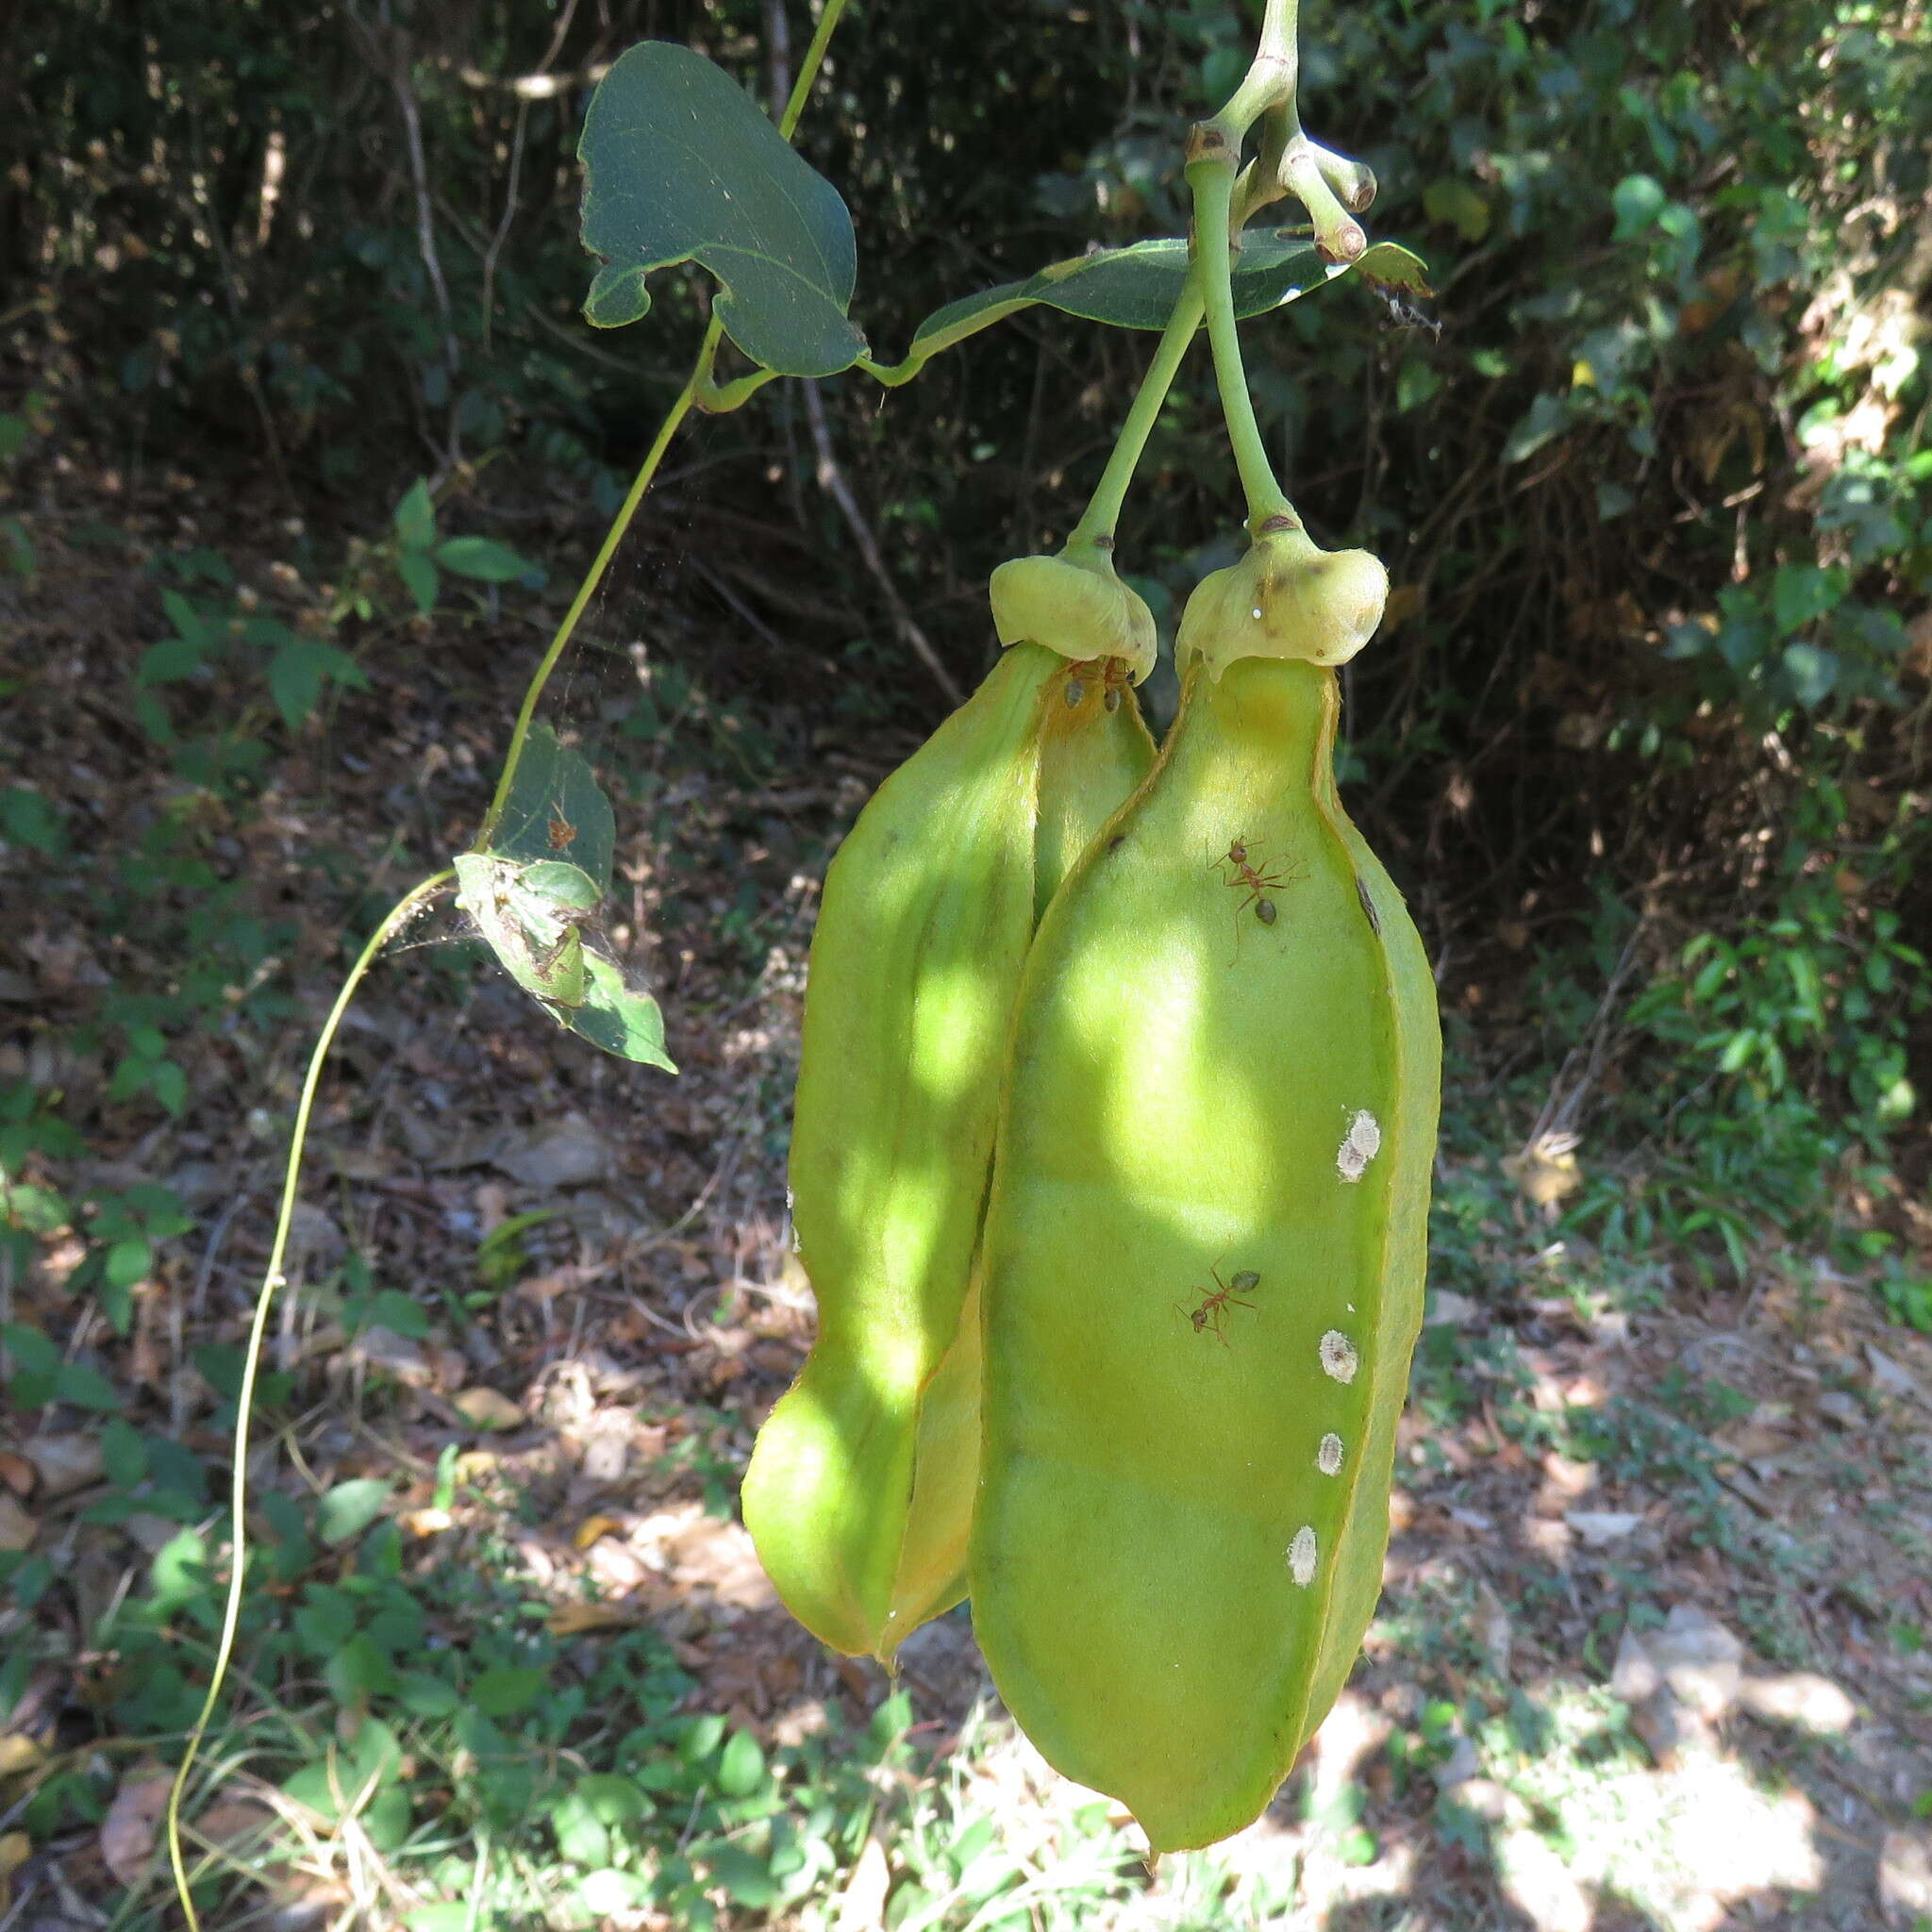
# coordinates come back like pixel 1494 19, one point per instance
pixel 831 479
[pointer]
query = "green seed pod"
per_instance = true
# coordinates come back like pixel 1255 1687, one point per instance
pixel 1203 1261
pixel 859 1493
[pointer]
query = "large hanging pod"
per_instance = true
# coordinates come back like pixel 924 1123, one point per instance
pixel 859 1492
pixel 1203 1252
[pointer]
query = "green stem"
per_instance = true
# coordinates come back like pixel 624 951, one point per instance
pixel 699 391
pixel 1096 526
pixel 272 1278
pixel 1253 192
pixel 721 398
pixel 1270 81
pixel 1211 178
pixel 808 67
pixel 620 524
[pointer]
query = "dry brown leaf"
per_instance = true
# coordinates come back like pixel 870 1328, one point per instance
pixel 17 1528
pixel 16 1471
pixel 581 1619
pixel 487 1409
pixel 234 1817
pixel 65 1463
pixel 15 1849
pixel 127 1832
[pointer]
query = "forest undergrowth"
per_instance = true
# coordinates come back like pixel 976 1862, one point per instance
pixel 1655 1647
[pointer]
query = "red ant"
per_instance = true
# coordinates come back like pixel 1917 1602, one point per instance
pixel 1211 1311
pixel 1113 675
pixel 1258 883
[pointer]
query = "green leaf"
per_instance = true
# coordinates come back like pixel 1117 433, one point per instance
pixel 189 622
pixel 180 1574
pixel 357 1671
pixel 747 1879
pixel 419 578
pixel 681 165
pixel 27 818
pixel 124 1453
pixel 298 673
pixel 349 1508
pixel 389 1308
pixel 741 1767
pixel 613 1799
pixel 126 1261
pixel 1548 417
pixel 1801 593
pixel 39 1210
pixel 531 903
pixel 482 557
pixel 582 1836
pixel 630 1025
pixel 531 916
pixel 556 810
pixel 33 1353
pixel 506 1688
pixel 1638 200
pixel 416 517
pixel 86 1388
pixel 1137 287
pixel 1813 673
pixel 447 1917
pixel 169 661
pixel 422 1694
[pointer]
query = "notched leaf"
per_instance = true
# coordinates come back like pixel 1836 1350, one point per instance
pixel 680 164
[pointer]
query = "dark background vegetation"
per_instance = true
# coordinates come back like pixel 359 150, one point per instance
pixel 1644 736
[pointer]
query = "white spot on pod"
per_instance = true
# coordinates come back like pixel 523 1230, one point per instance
pixel 1360 1146
pixel 1301 1556
pixel 1339 1358
pixel 1328 1453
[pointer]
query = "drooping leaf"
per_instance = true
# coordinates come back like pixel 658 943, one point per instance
pixel 1137 286
pixel 620 1021
pixel 532 917
pixel 680 164
pixel 535 890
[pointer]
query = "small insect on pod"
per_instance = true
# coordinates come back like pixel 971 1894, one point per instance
pixel 1177 1548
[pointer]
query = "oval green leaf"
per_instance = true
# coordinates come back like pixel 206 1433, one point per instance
pixel 1137 287
pixel 680 164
